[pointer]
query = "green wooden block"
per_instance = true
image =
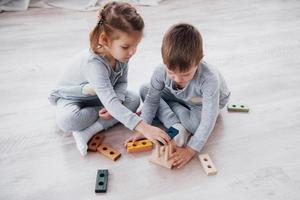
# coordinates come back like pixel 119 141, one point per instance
pixel 237 108
pixel 101 181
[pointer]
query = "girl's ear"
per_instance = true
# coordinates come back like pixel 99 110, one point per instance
pixel 201 56
pixel 103 39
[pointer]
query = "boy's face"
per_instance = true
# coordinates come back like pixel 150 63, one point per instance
pixel 182 78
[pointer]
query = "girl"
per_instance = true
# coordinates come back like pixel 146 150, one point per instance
pixel 91 95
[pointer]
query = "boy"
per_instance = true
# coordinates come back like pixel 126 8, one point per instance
pixel 185 93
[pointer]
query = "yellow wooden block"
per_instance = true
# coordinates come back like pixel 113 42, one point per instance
pixel 139 146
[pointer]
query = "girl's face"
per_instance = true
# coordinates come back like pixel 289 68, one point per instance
pixel 124 47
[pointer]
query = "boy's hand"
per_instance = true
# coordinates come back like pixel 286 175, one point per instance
pixel 134 137
pixel 103 113
pixel 182 156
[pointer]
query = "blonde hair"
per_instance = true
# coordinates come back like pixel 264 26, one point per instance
pixel 182 47
pixel 115 16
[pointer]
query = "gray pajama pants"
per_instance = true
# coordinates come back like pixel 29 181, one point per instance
pixel 76 115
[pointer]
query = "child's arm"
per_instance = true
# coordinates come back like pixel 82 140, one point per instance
pixel 152 99
pixel 98 78
pixel 209 114
pixel 121 85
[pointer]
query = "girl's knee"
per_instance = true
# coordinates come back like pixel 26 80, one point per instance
pixel 132 101
pixel 68 122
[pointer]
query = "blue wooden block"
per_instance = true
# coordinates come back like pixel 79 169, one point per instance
pixel 172 132
pixel 101 181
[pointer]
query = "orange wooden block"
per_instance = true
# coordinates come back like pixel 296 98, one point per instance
pixel 108 152
pixel 161 156
pixel 95 142
pixel 139 146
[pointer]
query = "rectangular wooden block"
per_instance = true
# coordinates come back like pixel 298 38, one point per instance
pixel 108 152
pixel 139 146
pixel 95 141
pixel 207 164
pixel 172 132
pixel 101 181
pixel 237 108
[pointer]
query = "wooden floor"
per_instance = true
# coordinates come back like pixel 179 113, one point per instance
pixel 255 44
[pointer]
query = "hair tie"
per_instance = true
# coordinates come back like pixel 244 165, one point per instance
pixel 99 13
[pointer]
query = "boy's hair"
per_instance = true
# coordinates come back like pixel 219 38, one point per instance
pixel 182 47
pixel 116 16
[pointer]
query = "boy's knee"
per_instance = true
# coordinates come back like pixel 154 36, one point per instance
pixel 143 91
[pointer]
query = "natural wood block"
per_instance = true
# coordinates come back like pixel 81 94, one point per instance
pixel 139 146
pixel 161 156
pixel 95 141
pixel 237 108
pixel 108 152
pixel 207 164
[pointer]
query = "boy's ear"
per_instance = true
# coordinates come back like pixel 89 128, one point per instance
pixel 103 39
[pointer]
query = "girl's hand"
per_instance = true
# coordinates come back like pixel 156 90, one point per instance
pixel 153 133
pixel 134 137
pixel 182 156
pixel 103 113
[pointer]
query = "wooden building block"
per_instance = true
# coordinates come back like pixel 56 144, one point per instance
pixel 108 152
pixel 207 164
pixel 172 132
pixel 101 181
pixel 237 108
pixel 95 142
pixel 161 156
pixel 139 146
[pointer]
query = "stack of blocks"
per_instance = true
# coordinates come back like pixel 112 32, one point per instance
pixel 161 155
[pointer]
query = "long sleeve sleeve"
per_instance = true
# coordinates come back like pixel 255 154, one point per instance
pixel 98 77
pixel 209 114
pixel 152 99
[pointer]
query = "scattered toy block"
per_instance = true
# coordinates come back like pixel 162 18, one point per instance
pixel 207 164
pixel 95 142
pixel 108 152
pixel 172 132
pixel 161 156
pixel 139 146
pixel 101 181
pixel 237 108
